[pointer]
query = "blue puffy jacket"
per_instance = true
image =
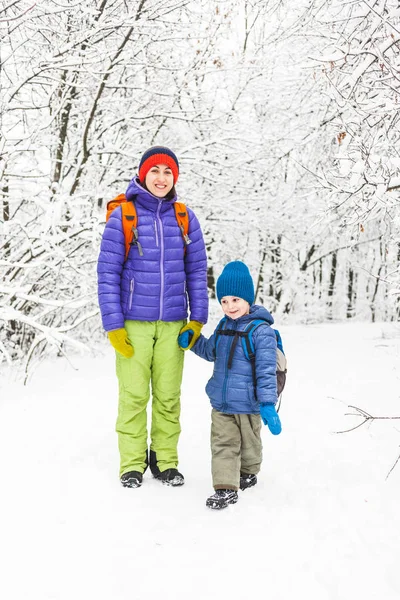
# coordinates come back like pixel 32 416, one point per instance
pixel 165 281
pixel 231 390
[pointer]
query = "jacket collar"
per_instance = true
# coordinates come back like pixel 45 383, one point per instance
pixel 143 197
pixel 256 312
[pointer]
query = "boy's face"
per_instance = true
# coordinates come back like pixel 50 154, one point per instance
pixel 235 307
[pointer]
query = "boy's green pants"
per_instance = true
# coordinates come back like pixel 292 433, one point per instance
pixel 236 448
pixel 157 359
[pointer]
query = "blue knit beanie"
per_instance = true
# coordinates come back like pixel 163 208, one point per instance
pixel 235 280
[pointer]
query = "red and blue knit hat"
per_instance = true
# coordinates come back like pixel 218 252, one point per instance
pixel 158 155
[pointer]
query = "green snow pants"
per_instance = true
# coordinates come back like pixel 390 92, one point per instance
pixel 236 448
pixel 157 359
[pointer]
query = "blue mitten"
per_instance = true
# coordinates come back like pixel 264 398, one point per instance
pixel 193 328
pixel 184 339
pixel 271 418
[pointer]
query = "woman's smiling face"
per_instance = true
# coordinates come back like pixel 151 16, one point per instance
pixel 159 180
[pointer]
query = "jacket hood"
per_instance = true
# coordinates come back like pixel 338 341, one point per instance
pixel 135 191
pixel 260 312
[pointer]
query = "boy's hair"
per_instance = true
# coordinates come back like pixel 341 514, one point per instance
pixel 235 280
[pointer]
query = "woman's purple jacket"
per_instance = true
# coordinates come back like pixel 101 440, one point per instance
pixel 159 285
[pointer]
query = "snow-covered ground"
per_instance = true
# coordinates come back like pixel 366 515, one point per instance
pixel 323 523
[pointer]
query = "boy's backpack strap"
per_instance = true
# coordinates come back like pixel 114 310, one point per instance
pixel 236 334
pixel 220 328
pixel 246 335
pixel 182 218
pixel 248 347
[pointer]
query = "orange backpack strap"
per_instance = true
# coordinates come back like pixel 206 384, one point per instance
pixel 182 218
pixel 129 221
pixel 129 227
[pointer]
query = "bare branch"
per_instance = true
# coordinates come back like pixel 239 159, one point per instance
pixel 366 418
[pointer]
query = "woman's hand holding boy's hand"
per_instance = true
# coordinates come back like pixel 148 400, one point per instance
pixel 271 418
pixel 189 334
pixel 120 341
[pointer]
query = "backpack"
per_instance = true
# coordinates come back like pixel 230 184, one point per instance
pixel 130 222
pixel 248 349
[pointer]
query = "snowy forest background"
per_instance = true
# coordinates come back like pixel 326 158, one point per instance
pixel 285 120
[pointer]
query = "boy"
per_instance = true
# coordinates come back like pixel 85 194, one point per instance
pixel 236 406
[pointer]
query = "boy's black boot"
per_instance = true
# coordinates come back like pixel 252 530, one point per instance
pixel 132 479
pixel 167 477
pixel 222 499
pixel 247 480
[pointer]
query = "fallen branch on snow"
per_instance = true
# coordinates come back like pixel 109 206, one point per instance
pixel 367 417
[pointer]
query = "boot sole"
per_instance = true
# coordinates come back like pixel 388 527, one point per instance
pixel 218 505
pixel 131 483
pixel 175 482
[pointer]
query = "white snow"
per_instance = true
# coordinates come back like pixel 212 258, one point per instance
pixel 323 522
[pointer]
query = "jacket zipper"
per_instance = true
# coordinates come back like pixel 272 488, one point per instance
pixel 161 260
pixel 156 232
pixel 131 288
pixel 224 402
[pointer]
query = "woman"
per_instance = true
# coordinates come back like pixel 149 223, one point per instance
pixel 144 302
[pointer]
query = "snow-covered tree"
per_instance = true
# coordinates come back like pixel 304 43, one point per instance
pixel 287 150
pixel 359 56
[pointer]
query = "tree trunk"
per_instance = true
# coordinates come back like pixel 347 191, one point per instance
pixel 275 286
pixel 320 280
pixel 278 272
pixel 6 216
pixel 211 281
pixel 210 271
pixel 350 295
pixel 331 288
pixel 260 278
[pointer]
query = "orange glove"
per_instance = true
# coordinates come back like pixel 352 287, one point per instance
pixel 193 329
pixel 120 341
